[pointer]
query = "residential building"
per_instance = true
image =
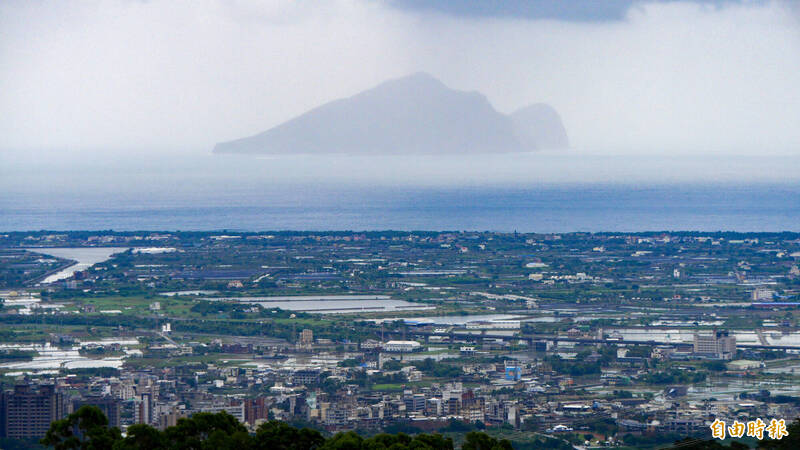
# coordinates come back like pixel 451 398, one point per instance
pixel 29 409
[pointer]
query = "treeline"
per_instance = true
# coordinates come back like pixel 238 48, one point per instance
pixel 428 366
pixel 437 369
pixel 87 428
pixel 17 355
pixel 265 327
pixel 580 365
pixel 675 376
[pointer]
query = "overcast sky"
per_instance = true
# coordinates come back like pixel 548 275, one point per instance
pixel 628 77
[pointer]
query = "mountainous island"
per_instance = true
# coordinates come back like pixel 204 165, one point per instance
pixel 416 114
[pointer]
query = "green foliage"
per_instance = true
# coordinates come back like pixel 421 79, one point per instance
pixel 141 437
pixel 352 362
pixel 207 431
pixel 711 444
pixel 573 367
pixel 481 441
pixel 349 440
pixel 270 325
pixel 437 369
pixel 458 426
pixel 87 429
pixel 392 365
pixel 792 441
pixel 402 441
pixel 543 442
pixel 17 355
pixel 675 376
pixel 362 379
pixel 714 366
pixel 623 394
pixel 275 435
pixel 205 308
pixel 639 351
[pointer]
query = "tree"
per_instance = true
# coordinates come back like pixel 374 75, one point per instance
pixel 207 431
pixel 344 441
pixel 711 444
pixel 792 441
pixel 432 441
pixel 85 429
pixel 402 441
pixel 275 435
pixel 142 436
pixel 476 440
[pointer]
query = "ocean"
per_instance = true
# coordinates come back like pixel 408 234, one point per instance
pixel 528 192
pixel 535 208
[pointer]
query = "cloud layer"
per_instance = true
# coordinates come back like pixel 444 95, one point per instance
pixel 132 76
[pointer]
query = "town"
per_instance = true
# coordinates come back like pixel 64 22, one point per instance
pixel 547 340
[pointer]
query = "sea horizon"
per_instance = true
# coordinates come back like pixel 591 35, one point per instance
pixel 545 208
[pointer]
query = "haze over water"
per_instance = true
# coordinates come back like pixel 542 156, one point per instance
pixel 523 192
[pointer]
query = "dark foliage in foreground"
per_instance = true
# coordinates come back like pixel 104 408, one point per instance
pixel 87 429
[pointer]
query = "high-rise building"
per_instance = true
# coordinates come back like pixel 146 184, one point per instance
pixel 28 410
pixel 306 341
pixel 413 402
pixel 255 409
pixel 169 417
pixel 726 345
pixel 144 408
pixel 306 377
pixel 718 344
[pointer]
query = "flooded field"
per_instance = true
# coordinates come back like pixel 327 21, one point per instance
pixel 456 320
pixel 51 358
pixel 331 304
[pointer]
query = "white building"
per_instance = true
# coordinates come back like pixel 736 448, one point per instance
pixel 401 346
pixel 495 325
pixel 719 344
pixel 236 411
pixel 763 294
